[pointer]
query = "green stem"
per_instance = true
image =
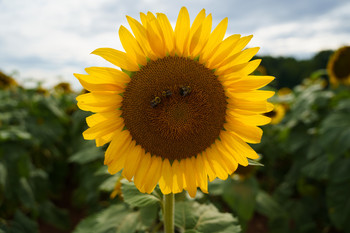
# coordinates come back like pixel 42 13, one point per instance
pixel 168 213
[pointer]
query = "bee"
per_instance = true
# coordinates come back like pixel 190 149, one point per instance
pixel 155 102
pixel 185 91
pixel 166 93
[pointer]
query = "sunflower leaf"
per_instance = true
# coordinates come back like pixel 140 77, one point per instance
pixel 338 193
pixel 116 218
pixel 135 198
pixel 241 196
pixel 254 162
pixel 193 217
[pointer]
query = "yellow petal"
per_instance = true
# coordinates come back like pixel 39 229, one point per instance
pixel 107 75
pixel 141 36
pixel 99 101
pixel 243 148
pixel 222 51
pixel 117 58
pixel 242 42
pixel 255 95
pixel 101 98
pixel 119 155
pixel 168 32
pixel 228 156
pixel 214 40
pixel 155 39
pixel 153 174
pixel 241 70
pixel 218 168
pixel 141 172
pixel 227 145
pixel 190 178
pixel 208 170
pixel 132 162
pixel 239 58
pixel 202 175
pixel 103 128
pixel 255 120
pixel 89 83
pixel 248 133
pixel 251 106
pixel 131 46
pixel 119 141
pixel 100 117
pixel 200 37
pixel 166 178
pixel 177 177
pixel 195 29
pixel 198 21
pixel 249 83
pixel 220 160
pixel 143 18
pixel 182 30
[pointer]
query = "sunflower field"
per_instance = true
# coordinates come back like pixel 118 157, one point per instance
pixel 52 180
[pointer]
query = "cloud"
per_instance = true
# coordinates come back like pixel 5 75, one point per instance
pixel 306 36
pixel 46 39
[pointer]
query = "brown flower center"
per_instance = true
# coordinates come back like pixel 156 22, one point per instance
pixel 271 114
pixel 174 107
pixel 341 64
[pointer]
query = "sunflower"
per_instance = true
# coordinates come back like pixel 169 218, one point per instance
pixel 338 66
pixel 277 114
pixel 182 107
pixel 6 81
pixel 63 87
pixel 284 91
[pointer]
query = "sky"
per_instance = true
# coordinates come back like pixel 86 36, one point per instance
pixel 49 40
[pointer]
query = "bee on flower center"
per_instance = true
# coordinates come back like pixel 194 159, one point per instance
pixel 155 102
pixel 185 91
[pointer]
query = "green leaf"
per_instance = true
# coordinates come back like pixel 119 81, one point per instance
pixel 54 215
pixel 109 184
pixel 338 193
pixel 216 187
pixel 14 133
pixel 148 215
pixel 135 198
pixel 267 206
pixel 109 220
pixel 335 130
pixel 129 223
pixel 119 219
pixel 317 168
pixel 240 196
pixel 3 175
pixel 89 153
pixel 194 217
pixel 254 162
pixel 25 194
pixel 22 224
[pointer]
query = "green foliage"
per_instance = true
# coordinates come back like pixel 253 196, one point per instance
pixel 194 217
pixel 338 193
pixel 136 199
pixel 53 180
pixel 41 160
pixel 290 72
pixel 307 158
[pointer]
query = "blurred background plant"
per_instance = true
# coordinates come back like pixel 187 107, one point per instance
pixel 51 180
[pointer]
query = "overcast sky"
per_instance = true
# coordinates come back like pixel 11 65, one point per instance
pixel 49 40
